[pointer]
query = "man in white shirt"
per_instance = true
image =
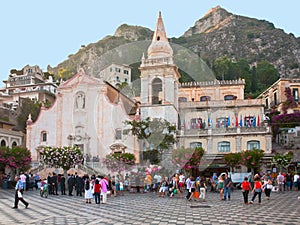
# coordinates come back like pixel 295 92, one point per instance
pixel 296 180
pixel 23 180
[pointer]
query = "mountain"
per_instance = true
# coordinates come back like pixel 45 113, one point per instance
pixel 217 34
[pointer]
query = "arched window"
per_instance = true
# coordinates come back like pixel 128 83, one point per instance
pixel 195 145
pixel 253 145
pixel 3 143
pixel 204 98
pixel 44 136
pixel 182 99
pixel 157 91
pixel 224 146
pixel 14 144
pixel 229 97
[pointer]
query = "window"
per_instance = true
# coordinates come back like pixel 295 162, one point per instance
pixel 275 98
pixel 126 72
pixel 110 69
pixel 126 80
pixel 224 146
pixel 44 136
pixel 117 69
pixel 14 144
pixel 229 97
pixel 204 98
pixel 182 99
pixel 118 78
pixel 267 103
pixel 3 143
pixel 118 134
pixel 157 91
pixel 295 94
pixel 253 145
pixel 195 145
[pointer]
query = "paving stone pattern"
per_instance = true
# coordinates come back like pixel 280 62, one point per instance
pixel 148 208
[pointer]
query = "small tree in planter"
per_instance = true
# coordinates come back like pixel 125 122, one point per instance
pixel 251 159
pixel 119 162
pixel 65 157
pixel 187 159
pixel 282 160
pixel 15 158
pixel 233 159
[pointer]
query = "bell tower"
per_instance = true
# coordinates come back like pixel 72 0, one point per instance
pixel 159 78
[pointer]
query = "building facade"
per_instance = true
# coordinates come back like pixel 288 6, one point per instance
pixel 88 113
pixel 275 95
pixel 116 74
pixel 29 82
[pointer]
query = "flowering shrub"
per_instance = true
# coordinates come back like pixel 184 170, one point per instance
pixel 152 169
pixel 187 159
pixel 118 162
pixel 233 159
pixel 15 158
pixel 251 158
pixel 64 157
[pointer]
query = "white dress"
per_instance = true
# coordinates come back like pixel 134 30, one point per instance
pixel 88 193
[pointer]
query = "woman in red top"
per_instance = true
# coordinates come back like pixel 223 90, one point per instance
pixel 257 190
pixel 246 187
pixel 97 187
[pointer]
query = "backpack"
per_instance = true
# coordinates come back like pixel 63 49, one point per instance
pixel 87 185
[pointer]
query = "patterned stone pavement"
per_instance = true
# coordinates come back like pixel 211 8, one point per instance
pixel 282 208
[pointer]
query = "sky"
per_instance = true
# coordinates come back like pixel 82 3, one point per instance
pixel 45 32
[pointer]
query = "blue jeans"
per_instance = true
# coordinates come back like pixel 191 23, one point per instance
pixel 97 197
pixel 227 192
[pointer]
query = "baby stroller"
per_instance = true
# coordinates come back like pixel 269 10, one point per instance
pixel 44 190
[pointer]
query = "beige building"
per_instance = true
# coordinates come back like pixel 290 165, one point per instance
pixel 9 137
pixel 116 74
pixel 27 83
pixel 274 96
pixel 216 116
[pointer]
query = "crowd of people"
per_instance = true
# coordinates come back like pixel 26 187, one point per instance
pixel 97 188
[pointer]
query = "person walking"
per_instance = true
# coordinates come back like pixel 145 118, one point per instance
pixel 19 193
pixel 202 189
pixel 280 181
pixel 221 186
pixel 246 187
pixel 97 187
pixel 227 187
pixel 104 188
pixel 267 187
pixel 257 190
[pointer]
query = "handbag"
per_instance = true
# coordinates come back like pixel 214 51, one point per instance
pixel 20 194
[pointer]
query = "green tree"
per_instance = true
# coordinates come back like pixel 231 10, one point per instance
pixel 266 74
pixel 27 106
pixel 221 67
pixel 155 133
pixel 282 160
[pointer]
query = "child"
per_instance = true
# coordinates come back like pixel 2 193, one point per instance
pixel 121 186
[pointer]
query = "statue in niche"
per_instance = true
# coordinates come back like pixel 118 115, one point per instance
pixel 80 101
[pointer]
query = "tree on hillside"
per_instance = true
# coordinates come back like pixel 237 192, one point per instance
pixel 27 106
pixel 266 74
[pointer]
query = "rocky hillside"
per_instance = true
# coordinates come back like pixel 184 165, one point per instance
pixel 217 34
